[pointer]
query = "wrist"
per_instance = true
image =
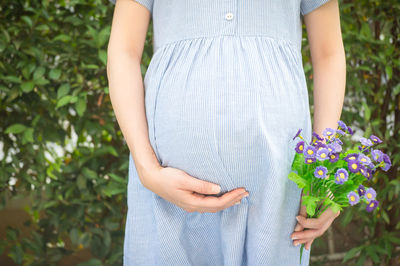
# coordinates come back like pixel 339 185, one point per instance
pixel 147 173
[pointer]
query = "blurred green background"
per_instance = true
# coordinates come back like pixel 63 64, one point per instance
pixel 64 162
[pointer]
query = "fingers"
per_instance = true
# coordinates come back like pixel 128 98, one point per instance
pixel 301 241
pixel 303 211
pixel 203 203
pixel 312 222
pixel 200 186
pixel 308 244
pixel 306 241
pixel 221 202
pixel 306 234
pixel 298 227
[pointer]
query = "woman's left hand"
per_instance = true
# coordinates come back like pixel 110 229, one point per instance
pixel 317 226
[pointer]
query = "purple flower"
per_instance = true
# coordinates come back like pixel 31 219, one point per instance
pixel 299 147
pixel 330 148
pixel 377 155
pixel 372 205
pixel 322 154
pixel 351 132
pixel 351 156
pixel 319 144
pixel 333 157
pixel 309 160
pixel 309 151
pixel 363 149
pixel 337 147
pixel 370 194
pixel 320 172
pixel 361 190
pixel 354 166
pixel 369 174
pixel 366 142
pixel 363 170
pixel 340 132
pixel 387 162
pixel 328 132
pixel 341 176
pixel 375 139
pixel 339 141
pixel 298 133
pixel 318 137
pixel 342 125
pixel 365 160
pixel 353 198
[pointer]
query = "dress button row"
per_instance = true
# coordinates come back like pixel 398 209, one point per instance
pixel 229 16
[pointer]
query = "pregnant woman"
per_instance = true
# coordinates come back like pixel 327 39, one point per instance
pixel 211 125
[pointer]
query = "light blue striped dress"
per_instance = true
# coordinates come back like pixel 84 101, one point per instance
pixel 225 92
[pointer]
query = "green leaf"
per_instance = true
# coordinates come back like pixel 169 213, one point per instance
pixel 27 86
pixel 15 128
pixel 63 101
pixel 311 203
pixel 74 236
pixel 28 136
pixel 55 73
pixel 103 57
pixel 27 20
pixel 301 182
pixel 352 253
pixel 62 38
pixel 80 106
pixel 117 178
pixel 89 173
pixel 367 111
pixel 39 72
pixel 63 90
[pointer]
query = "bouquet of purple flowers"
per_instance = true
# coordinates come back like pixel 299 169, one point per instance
pixel 332 177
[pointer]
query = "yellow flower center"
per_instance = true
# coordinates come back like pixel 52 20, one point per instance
pixel 363 159
pixel 352 198
pixel 320 172
pixel 352 158
pixel 354 166
pixel 310 152
pixel 337 178
pixel 301 147
pixel 341 175
pixel 372 204
pixel 323 155
pixel 309 160
pixel 369 195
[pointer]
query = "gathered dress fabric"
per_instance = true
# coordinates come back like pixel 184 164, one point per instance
pixel 225 93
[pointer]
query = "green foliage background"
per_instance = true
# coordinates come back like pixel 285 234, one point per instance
pixel 53 89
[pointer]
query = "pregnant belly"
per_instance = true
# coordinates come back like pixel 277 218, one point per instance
pixel 224 124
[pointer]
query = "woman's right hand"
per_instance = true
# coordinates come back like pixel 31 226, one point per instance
pixel 185 191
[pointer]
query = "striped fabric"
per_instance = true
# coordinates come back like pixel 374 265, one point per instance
pixel 225 93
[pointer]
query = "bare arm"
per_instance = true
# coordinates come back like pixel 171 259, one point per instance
pixel 125 50
pixel 329 64
pixel 329 75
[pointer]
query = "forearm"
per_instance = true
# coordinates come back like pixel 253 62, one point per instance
pixel 329 75
pixel 127 98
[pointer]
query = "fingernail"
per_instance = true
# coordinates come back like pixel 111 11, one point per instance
pixel 293 237
pixel 245 195
pixel 296 244
pixel 297 218
pixel 216 189
pixel 237 203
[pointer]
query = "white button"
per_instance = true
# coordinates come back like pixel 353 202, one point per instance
pixel 228 16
